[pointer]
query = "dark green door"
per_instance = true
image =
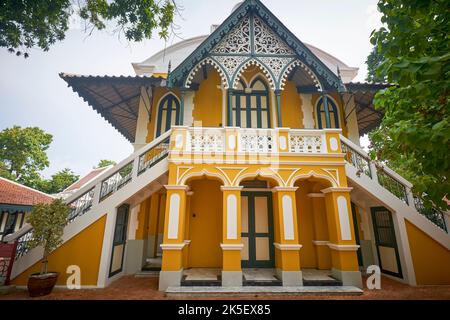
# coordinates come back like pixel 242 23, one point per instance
pixel 257 230
pixel 386 243
pixel 120 238
pixel 358 240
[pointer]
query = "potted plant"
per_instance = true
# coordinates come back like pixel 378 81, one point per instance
pixel 48 222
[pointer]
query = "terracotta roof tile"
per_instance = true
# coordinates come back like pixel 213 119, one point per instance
pixel 14 193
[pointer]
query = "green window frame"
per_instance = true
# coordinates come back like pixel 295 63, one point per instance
pixel 168 108
pixel 332 114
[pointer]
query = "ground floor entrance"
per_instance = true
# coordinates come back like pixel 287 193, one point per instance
pixel 257 230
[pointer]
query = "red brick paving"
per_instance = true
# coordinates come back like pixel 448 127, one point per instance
pixel 131 288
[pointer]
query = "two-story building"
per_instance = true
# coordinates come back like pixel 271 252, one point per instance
pixel 247 171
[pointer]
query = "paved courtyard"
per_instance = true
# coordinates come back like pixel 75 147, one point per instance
pixel 133 288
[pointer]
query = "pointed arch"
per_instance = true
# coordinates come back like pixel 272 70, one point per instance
pixel 167 105
pixel 313 174
pixel 297 63
pixel 252 62
pixel 217 66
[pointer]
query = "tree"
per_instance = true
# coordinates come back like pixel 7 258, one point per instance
pixel 58 182
pixel 105 163
pixel 414 136
pixel 48 222
pixel 26 24
pixel 373 62
pixel 23 154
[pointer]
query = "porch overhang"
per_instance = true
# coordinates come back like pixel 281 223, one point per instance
pixel 116 99
pixel 363 93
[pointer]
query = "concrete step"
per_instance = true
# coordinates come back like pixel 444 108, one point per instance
pixel 263 291
pixel 147 274
pixel 4 290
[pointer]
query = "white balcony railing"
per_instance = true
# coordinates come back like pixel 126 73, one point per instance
pixel 265 141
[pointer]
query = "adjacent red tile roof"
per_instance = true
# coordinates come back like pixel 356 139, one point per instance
pixel 84 180
pixel 15 193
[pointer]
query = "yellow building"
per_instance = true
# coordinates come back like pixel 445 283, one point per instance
pixel 247 171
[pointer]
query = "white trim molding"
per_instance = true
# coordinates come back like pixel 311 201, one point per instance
pixel 172 246
pixel 343 247
pixel 231 247
pixel 185 188
pixel 316 195
pixel 284 189
pixel 288 247
pixel 231 188
pixel 321 242
pixel 329 190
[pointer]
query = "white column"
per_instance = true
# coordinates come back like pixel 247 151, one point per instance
pixel 352 120
pixel 143 119
pixel 308 111
pixel 189 108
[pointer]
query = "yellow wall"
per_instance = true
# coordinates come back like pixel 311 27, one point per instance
pixel 208 102
pixel 431 260
pixel 291 107
pixel 206 227
pixel 305 227
pixel 158 93
pixel 83 250
pixel 337 99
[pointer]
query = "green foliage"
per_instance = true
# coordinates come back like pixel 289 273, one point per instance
pixel 27 24
pixel 58 182
pixel 23 154
pixel 48 222
pixel 105 163
pixel 414 136
pixel 374 60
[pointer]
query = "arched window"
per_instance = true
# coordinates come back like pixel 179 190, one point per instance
pixel 332 113
pixel 251 105
pixel 168 114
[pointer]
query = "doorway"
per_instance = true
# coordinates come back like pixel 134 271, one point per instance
pixel 386 243
pixel 257 230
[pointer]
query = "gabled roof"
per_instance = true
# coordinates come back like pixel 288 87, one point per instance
pixel 115 98
pixel 84 180
pixel 13 193
pixel 328 78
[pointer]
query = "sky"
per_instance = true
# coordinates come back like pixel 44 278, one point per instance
pixel 32 94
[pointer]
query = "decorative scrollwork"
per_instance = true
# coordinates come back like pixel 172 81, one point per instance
pixel 214 64
pixel 262 66
pixel 230 63
pixel 308 71
pixel 275 65
pixel 237 41
pixel 266 41
pixel 305 144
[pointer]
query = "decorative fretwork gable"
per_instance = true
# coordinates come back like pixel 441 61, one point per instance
pixel 252 35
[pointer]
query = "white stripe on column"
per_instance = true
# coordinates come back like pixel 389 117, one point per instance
pixel 232 217
pixel 174 216
pixel 288 218
pixel 344 220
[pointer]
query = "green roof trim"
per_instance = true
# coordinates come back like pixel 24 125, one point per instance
pixel 329 80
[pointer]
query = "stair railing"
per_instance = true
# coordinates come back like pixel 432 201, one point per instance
pixel 104 186
pixel 389 180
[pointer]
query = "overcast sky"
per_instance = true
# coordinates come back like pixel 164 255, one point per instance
pixel 32 94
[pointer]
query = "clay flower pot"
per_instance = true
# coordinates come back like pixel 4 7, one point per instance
pixel 41 284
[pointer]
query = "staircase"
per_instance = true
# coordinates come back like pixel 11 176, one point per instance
pixel 394 191
pixel 131 181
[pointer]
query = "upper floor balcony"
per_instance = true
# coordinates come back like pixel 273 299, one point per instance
pixel 232 144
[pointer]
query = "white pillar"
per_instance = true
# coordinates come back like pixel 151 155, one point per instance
pixel 308 111
pixel 189 108
pixel 143 119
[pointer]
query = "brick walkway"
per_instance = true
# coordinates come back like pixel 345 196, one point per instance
pixel 131 288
